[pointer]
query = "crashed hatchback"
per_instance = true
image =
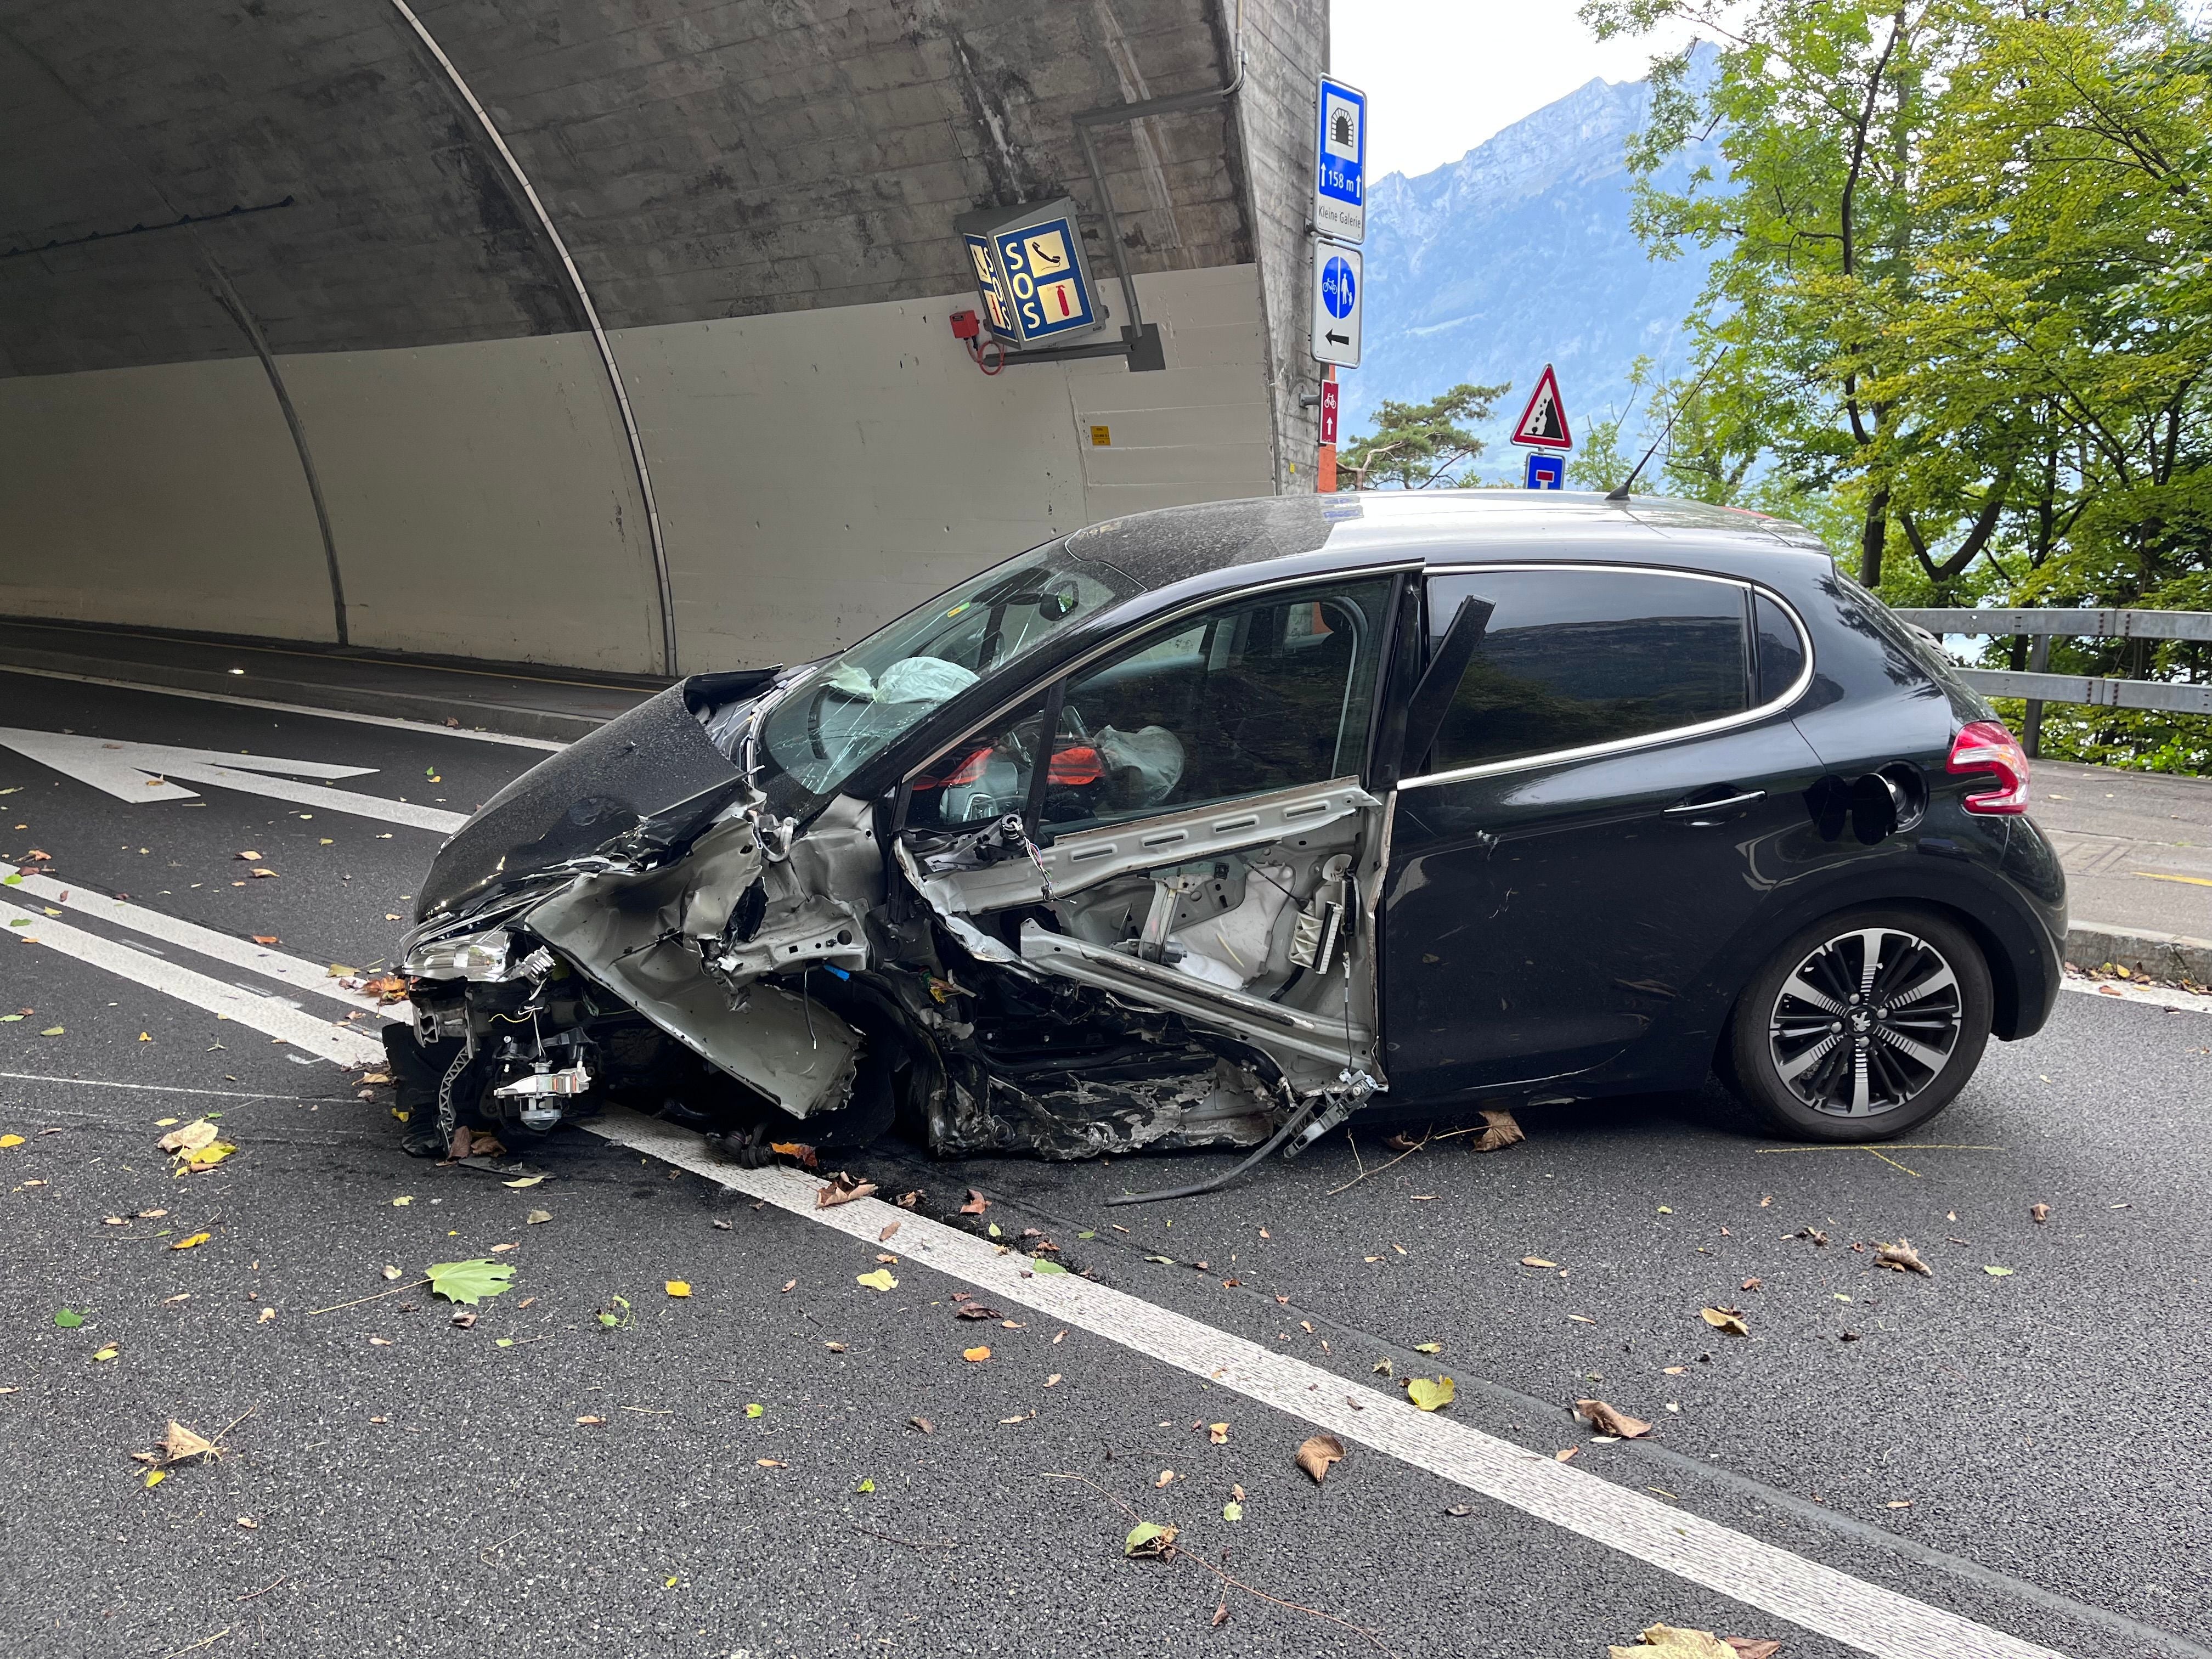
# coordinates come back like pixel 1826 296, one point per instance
pixel 1214 826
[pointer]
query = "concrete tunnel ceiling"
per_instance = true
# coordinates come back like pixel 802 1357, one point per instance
pixel 699 161
pixel 195 200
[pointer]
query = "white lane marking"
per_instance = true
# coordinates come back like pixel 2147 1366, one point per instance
pixel 1819 1598
pixel 2158 996
pixel 318 1037
pixel 151 1088
pixel 390 721
pixel 142 772
pixel 298 973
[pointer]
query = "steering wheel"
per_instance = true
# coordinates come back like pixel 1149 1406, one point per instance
pixel 814 722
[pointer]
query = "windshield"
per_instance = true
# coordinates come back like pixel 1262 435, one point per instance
pixel 849 708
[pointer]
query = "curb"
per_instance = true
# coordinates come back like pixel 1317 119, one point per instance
pixel 2167 957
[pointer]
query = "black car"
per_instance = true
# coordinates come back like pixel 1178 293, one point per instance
pixel 1216 824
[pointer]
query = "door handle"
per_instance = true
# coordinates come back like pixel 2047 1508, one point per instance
pixel 1689 808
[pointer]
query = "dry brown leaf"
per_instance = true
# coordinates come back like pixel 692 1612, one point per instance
pixel 1751 1284
pixel 1317 1452
pixel 975 1355
pixel 807 1157
pixel 1499 1131
pixel 888 1231
pixel 1671 1642
pixel 266 939
pixel 1566 1454
pixel 194 1135
pixel 976 1203
pixel 1536 1262
pixel 1168 1478
pixel 923 1423
pixel 969 1308
pixel 181 1445
pixel 1753 1647
pixel 841 1188
pixel 1217 1433
pixel 1901 1257
pixel 2038 1213
pixel 1727 1320
pixel 591 1419
pixel 907 1200
pixel 1608 1419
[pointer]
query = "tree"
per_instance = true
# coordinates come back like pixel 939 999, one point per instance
pixel 1414 446
pixel 1963 295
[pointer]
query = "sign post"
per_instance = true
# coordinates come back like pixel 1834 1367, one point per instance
pixel 1031 275
pixel 1339 225
pixel 1542 430
pixel 1340 202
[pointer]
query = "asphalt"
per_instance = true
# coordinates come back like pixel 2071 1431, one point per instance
pixel 416 1485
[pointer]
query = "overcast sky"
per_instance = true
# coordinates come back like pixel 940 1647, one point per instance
pixel 1442 76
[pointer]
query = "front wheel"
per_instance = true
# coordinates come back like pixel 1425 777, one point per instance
pixel 1862 1026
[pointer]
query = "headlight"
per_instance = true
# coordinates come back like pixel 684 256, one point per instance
pixel 483 956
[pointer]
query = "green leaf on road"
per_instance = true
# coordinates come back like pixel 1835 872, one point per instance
pixel 1148 1538
pixel 1430 1394
pixel 470 1281
pixel 69 1319
pixel 1039 1264
pixel 1428 1347
pixel 880 1280
pixel 1232 1511
pixel 755 1410
pixel 1999 1273
pixel 865 1485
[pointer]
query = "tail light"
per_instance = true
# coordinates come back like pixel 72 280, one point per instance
pixel 1986 746
pixel 970 770
pixel 1075 767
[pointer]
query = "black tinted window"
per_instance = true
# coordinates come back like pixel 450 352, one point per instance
pixel 1781 652
pixel 1578 657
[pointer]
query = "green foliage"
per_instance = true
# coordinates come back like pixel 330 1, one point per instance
pixel 470 1281
pixel 1415 446
pixel 1962 312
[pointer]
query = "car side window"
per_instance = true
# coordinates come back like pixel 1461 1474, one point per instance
pixel 1257 694
pixel 1781 651
pixel 1575 657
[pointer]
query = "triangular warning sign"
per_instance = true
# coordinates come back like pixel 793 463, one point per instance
pixel 1543 424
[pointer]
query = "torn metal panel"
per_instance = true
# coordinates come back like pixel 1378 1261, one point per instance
pixel 1076 862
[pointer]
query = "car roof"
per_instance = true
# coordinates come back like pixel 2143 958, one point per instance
pixel 1173 545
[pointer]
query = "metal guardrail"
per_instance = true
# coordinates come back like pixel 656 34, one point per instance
pixel 2041 626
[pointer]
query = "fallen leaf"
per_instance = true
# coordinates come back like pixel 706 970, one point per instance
pixel 11 1141
pixel 2038 1213
pixel 1608 1419
pixel 1430 1394
pixel 267 1314
pixel 181 1445
pixel 1999 1273
pixel 1148 1538
pixel 397 1202
pixel 151 1215
pixel 464 1320
pixel 193 1243
pixel 1724 1321
pixel 1217 1433
pixel 880 1280
pixel 834 1347
pixel 1044 1265
pixel 1898 1504
pixel 1168 1478
pixel 969 1308
pixel 53 1030
pixel 1232 1511
pixel 1667 1641
pixel 922 1423
pixel 975 1355
pixel 1901 1257
pixel 677 1287
pixel 1317 1452
pixel 907 1200
pixel 470 1281
pixel 581 1421
pixel 755 1410
pixel 768 1463
pixel 1536 1262
pixel 1751 1284
pixel 1499 1131
pixel 379 1341
pixel 250 856
pixel 1567 1455
pixel 156 1477
pixel 791 1284
pixel 526 1181
pixel 865 1485
pixel 1053 1381
pixel 1812 1233
pixel 884 1236
pixel 841 1188
pixel 976 1203
pixel 194 1135
pixel 389 1271
pixel 1422 1347
pixel 537 1218
pixel 266 939
pixel 1750 1647
pixel 68 1318
pixel 249 1523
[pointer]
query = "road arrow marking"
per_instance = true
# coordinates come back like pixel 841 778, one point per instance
pixel 139 772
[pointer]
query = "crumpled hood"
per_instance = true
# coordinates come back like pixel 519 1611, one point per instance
pixel 652 775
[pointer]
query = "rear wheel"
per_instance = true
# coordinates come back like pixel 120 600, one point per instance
pixel 1862 1026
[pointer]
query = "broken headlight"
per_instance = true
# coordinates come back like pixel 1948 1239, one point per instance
pixel 486 957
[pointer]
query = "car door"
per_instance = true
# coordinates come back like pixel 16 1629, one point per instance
pixel 1201 798
pixel 1596 817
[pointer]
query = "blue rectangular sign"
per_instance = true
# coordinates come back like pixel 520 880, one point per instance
pixel 1340 207
pixel 1546 471
pixel 1044 279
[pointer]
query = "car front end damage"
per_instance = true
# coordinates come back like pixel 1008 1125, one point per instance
pixel 635 920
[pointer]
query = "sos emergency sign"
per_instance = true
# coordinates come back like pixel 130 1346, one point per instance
pixel 1031 274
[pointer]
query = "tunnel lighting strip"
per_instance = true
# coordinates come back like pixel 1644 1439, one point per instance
pixel 591 316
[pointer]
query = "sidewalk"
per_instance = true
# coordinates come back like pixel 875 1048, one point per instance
pixel 2137 846
pixel 518 698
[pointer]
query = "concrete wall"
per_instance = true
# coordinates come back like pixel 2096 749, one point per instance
pixel 816 472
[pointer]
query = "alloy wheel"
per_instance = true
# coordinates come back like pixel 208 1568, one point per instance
pixel 1865 1022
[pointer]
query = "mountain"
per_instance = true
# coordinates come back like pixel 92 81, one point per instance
pixel 1519 254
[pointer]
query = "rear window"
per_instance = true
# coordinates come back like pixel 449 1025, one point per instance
pixel 1575 657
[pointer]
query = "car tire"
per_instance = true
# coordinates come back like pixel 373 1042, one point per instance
pixel 1822 1049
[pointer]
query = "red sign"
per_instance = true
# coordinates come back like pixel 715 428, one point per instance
pixel 1543 424
pixel 1329 411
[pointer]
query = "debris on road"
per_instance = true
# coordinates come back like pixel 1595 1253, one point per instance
pixel 1674 1642
pixel 1901 1257
pixel 1429 1394
pixel 470 1281
pixel 1609 1419
pixel 841 1188
pixel 1318 1453
pixel 1727 1320
pixel 2038 1213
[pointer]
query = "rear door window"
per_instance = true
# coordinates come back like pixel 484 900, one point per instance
pixel 1575 657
